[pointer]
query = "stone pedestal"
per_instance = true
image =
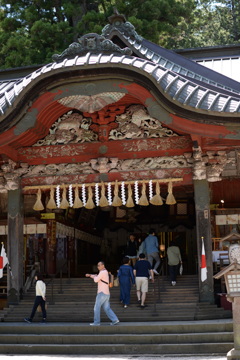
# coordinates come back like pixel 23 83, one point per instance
pixel 15 245
pixel 203 228
pixel 234 354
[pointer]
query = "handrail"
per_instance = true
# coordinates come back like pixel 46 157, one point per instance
pixel 158 299
pixel 29 280
pixel 51 302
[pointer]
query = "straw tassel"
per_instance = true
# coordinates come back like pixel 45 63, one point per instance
pixel 77 201
pixel 143 201
pixel 64 203
pixel 103 200
pixel 157 199
pixel 170 200
pixel 38 206
pixel 130 202
pixel 90 204
pixel 116 199
pixel 51 203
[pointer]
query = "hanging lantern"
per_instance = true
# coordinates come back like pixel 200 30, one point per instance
pixel 64 203
pixel 103 200
pixel 51 203
pixel 38 206
pixel 143 201
pixel 77 201
pixel 116 199
pixel 157 199
pixel 90 204
pixel 130 202
pixel 170 200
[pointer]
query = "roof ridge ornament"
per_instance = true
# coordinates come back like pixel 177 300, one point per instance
pixel 118 22
pixel 91 43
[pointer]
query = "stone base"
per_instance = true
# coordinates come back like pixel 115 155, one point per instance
pixel 233 354
pixel 13 297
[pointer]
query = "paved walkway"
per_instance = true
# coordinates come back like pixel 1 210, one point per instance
pixel 120 357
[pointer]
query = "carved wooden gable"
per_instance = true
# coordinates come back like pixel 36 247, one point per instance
pixel 110 123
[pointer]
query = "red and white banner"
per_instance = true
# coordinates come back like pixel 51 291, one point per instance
pixel 203 264
pixel 3 260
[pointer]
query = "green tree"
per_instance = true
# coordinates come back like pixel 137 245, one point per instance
pixel 31 31
pixel 214 23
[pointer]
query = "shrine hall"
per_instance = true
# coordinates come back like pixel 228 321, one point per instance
pixel 116 136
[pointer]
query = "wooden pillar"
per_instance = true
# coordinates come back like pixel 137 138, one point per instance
pixel 15 245
pixel 203 226
pixel 51 248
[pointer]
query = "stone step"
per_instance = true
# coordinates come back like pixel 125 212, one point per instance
pixel 158 327
pixel 77 301
pixel 146 316
pixel 119 349
pixel 120 338
pixel 155 338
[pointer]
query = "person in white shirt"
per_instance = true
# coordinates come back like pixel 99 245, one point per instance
pixel 40 299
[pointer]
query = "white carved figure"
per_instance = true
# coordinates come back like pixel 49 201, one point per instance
pixel 104 164
pixel 209 166
pixel 153 163
pixel 137 123
pixel 199 166
pixel 2 185
pixel 60 169
pixel 69 128
pixel 214 172
pixel 11 173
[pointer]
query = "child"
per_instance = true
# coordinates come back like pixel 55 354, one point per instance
pixel 40 299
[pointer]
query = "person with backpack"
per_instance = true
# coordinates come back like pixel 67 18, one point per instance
pixel 174 261
pixel 40 299
pixel 103 296
pixel 152 250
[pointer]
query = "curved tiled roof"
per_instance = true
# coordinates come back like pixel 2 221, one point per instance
pixel 185 67
pixel 167 58
pixel 177 88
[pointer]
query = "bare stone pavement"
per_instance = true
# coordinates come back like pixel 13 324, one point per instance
pixel 106 357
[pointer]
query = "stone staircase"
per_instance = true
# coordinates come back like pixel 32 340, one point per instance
pixel 174 322
pixel 213 337
pixel 74 301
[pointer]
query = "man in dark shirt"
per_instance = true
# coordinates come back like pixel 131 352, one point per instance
pixel 131 251
pixel 142 270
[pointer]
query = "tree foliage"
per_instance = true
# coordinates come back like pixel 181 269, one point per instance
pixel 31 31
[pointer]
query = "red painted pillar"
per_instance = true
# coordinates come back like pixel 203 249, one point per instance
pixel 51 248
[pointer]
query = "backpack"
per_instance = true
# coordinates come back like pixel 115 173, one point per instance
pixel 111 280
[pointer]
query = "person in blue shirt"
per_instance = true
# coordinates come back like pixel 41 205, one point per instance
pixel 142 271
pixel 152 250
pixel 126 279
